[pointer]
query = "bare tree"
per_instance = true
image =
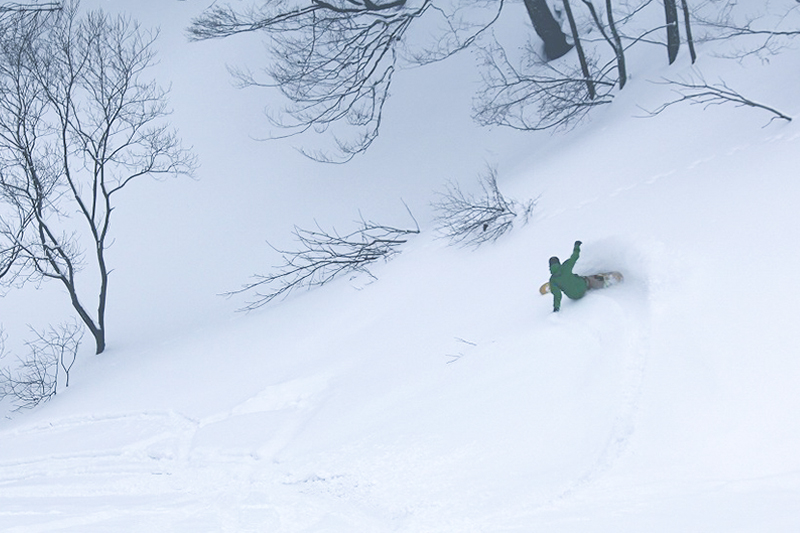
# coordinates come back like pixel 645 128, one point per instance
pixel 325 255
pixel 335 60
pixel 79 122
pixel 536 94
pixel 473 220
pixel 612 36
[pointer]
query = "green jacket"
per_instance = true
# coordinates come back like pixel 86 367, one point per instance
pixel 563 280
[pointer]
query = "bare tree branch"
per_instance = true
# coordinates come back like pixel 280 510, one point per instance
pixel 325 255
pixel 700 92
pixel 760 34
pixel 15 8
pixel 539 95
pixel 334 61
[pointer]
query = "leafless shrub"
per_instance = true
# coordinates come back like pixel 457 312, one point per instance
pixel 324 255
pixel 35 379
pixel 698 91
pixel 32 383
pixel 471 220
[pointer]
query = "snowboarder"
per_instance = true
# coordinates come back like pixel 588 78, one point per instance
pixel 562 279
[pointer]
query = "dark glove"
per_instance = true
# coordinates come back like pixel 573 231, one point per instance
pixel 578 244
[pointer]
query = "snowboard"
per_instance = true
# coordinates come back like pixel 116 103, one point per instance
pixel 607 279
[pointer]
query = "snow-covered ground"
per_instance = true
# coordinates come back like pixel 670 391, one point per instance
pixel 445 396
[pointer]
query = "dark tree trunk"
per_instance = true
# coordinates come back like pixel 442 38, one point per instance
pixel 581 55
pixel 614 40
pixel 548 29
pixel 689 38
pixel 619 51
pixel 673 35
pixel 98 331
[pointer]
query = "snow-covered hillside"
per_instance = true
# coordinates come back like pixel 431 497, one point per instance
pixel 445 396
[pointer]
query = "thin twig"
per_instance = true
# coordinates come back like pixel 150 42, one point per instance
pixel 702 93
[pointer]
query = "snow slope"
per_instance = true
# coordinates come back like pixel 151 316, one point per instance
pixel 445 396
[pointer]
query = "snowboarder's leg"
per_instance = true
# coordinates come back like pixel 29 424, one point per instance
pixel 595 282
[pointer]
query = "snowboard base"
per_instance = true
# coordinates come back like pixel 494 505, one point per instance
pixel 600 281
